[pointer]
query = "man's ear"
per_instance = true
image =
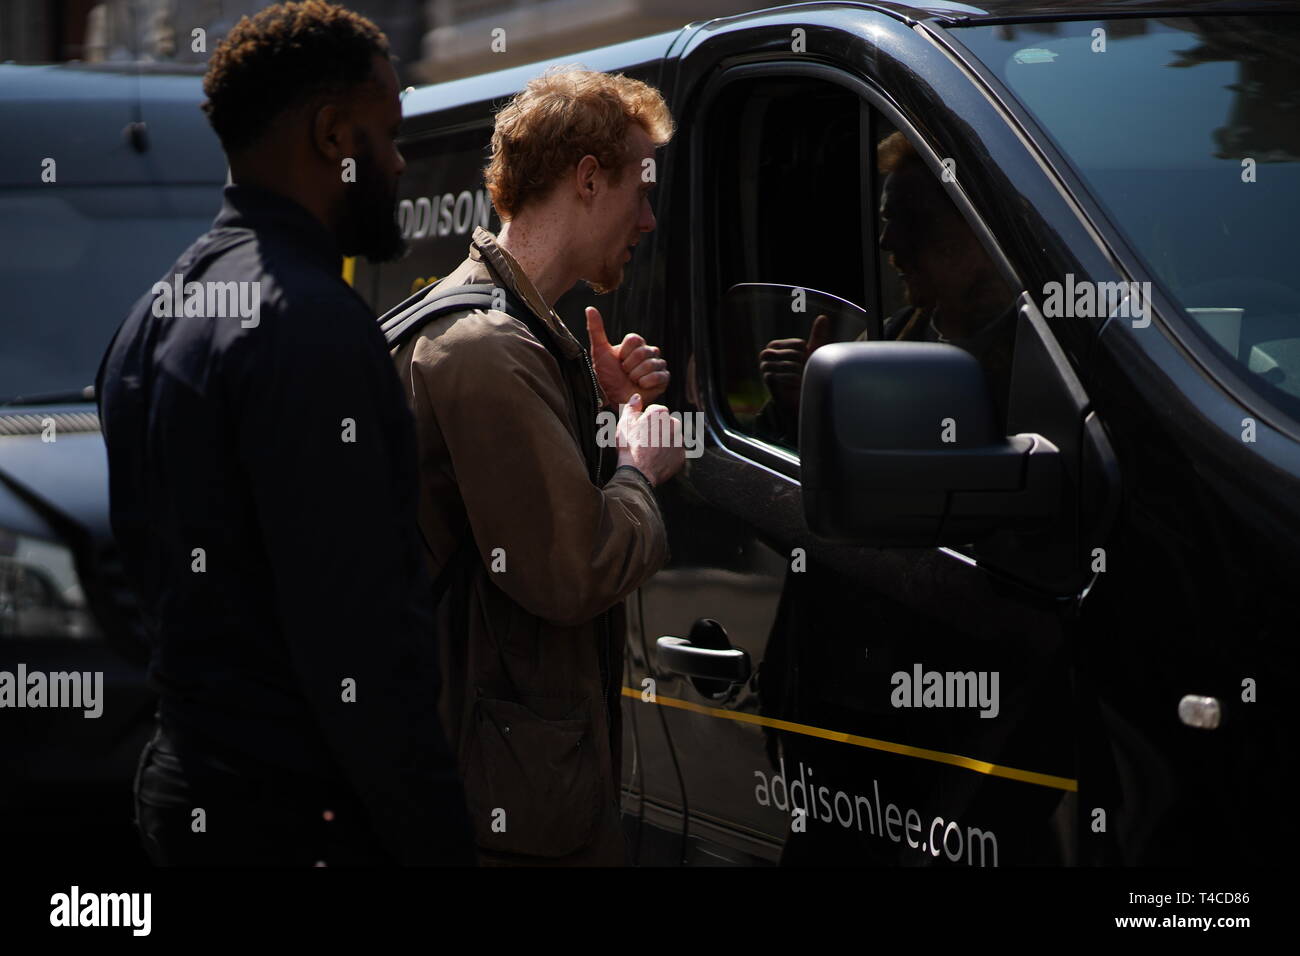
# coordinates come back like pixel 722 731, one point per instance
pixel 586 178
pixel 330 135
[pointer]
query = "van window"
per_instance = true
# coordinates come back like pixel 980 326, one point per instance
pixel 828 226
pixel 784 200
pixel 1186 132
pixel 938 280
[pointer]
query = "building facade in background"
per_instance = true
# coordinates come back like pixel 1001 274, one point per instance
pixel 434 40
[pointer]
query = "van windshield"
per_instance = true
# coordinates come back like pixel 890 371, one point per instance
pixel 73 260
pixel 1187 132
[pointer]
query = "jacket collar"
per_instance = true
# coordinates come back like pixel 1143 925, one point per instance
pixel 252 207
pixel 503 268
pixel 986 337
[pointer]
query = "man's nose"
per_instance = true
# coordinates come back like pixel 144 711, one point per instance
pixel 648 221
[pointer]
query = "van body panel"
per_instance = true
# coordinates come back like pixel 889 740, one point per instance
pixel 1165 574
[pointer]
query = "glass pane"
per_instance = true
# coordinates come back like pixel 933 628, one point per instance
pixel 784 173
pixel 765 335
pixel 938 282
pixel 1187 131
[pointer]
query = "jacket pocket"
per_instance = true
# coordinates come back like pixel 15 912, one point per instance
pixel 532 783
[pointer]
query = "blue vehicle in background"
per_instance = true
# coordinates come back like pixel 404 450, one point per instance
pixel 106 174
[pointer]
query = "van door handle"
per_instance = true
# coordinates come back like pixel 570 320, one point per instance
pixel 706 654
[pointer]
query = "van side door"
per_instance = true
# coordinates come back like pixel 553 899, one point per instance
pixel 830 703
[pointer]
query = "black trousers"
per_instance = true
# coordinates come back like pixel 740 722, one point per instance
pixel 197 805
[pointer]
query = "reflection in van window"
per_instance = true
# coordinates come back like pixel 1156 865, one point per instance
pixel 790 251
pixel 1187 133
pixel 787 225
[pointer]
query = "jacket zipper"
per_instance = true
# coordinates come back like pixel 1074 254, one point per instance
pixel 605 640
pixel 595 399
pixel 603 651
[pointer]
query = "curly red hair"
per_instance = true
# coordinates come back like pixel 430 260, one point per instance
pixel 558 118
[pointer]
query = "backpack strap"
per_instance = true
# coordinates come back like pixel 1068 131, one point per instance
pixel 404 321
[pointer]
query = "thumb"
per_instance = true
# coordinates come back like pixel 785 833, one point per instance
pixel 820 334
pixel 596 329
pixel 627 419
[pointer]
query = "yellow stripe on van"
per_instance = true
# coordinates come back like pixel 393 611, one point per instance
pixel 349 269
pixel 938 756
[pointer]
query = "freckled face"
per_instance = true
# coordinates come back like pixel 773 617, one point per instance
pixel 623 214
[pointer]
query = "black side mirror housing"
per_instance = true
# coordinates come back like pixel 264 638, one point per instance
pixel 900 447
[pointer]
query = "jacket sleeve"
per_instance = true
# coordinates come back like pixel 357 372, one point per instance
pixel 326 438
pixel 568 549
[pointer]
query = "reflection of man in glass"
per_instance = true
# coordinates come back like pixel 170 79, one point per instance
pixel 954 292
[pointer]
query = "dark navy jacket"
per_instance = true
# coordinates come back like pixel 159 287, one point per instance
pixel 263 492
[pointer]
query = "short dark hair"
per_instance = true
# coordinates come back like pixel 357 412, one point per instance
pixel 282 57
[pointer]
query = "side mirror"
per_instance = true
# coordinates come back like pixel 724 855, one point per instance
pixel 899 447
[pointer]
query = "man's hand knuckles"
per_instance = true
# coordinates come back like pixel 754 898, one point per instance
pixel 640 357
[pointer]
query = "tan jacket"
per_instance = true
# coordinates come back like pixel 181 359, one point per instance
pixel 531 616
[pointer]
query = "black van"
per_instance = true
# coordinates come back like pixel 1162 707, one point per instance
pixel 1007 573
pixel 105 173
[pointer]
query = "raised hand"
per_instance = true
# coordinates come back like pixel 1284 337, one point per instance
pixel 782 360
pixel 631 367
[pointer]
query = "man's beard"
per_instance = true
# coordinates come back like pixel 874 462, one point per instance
pixel 370 226
pixel 605 283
